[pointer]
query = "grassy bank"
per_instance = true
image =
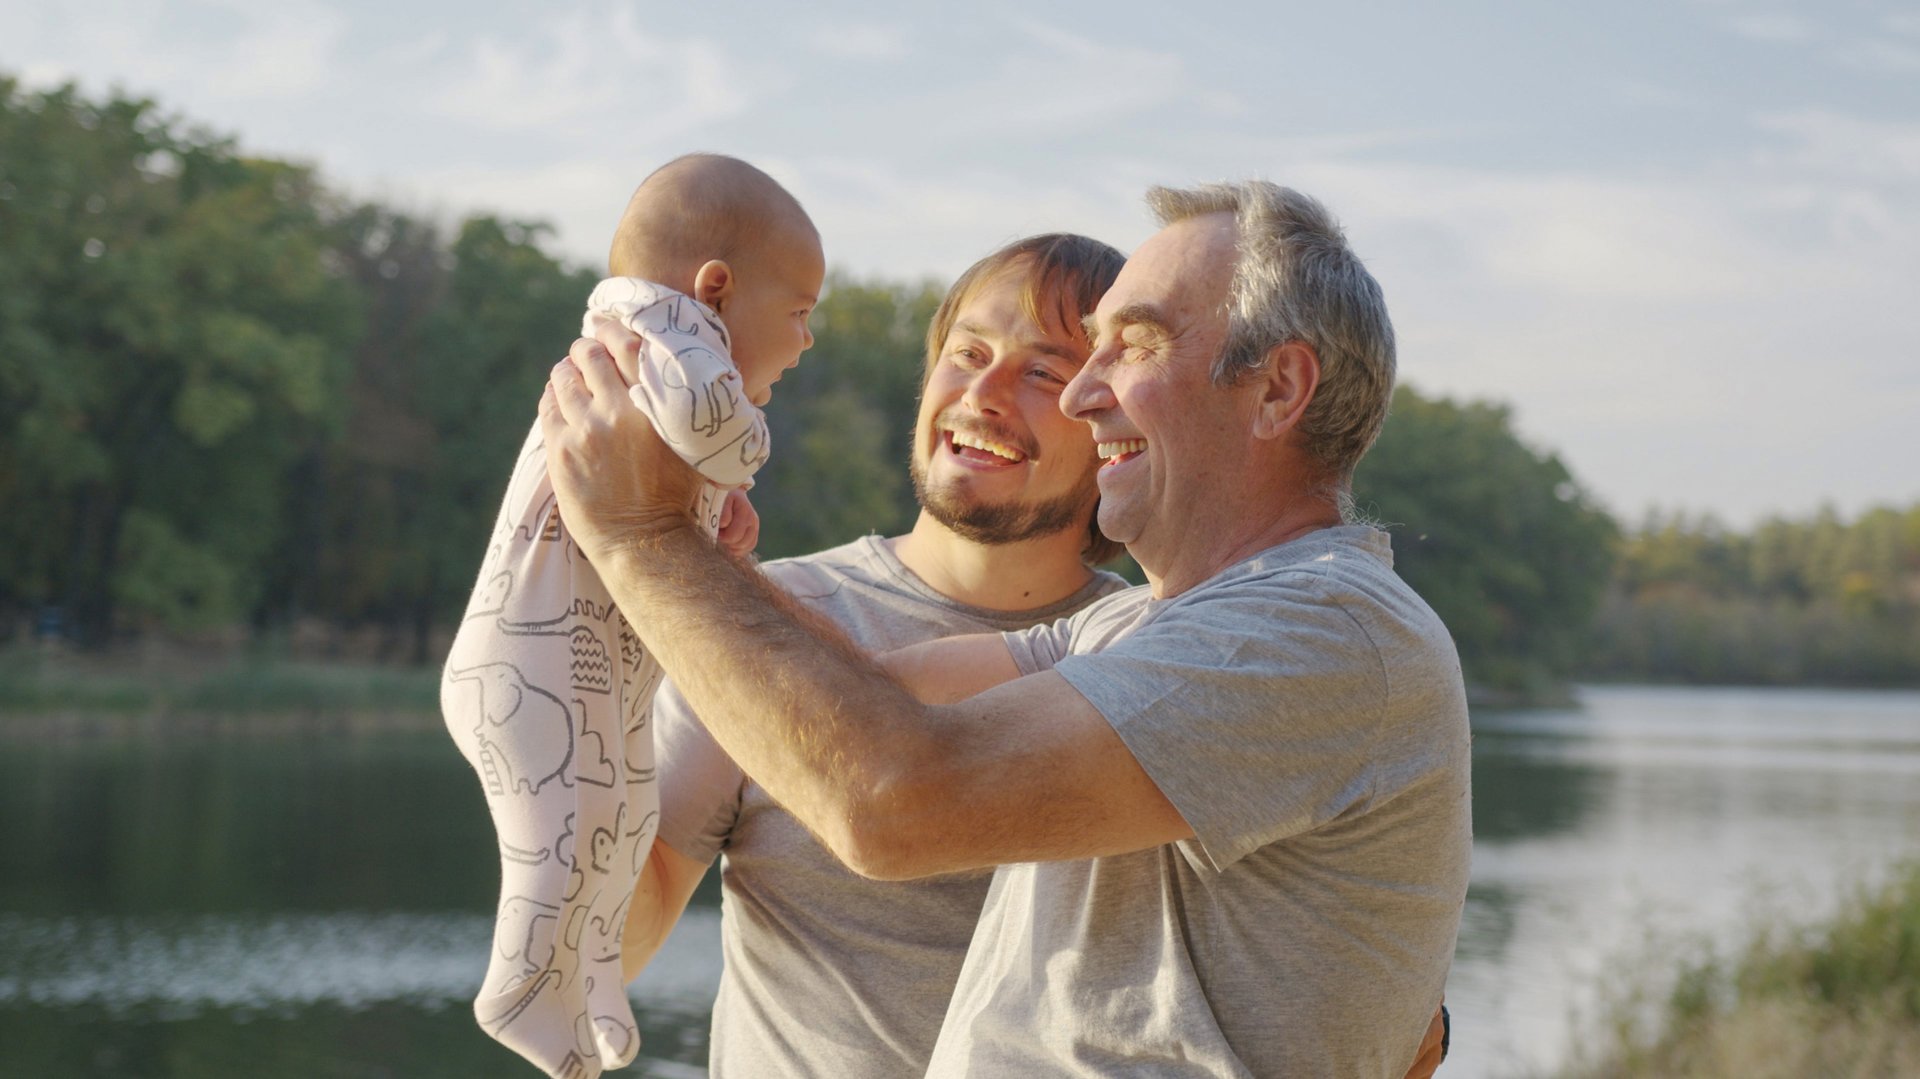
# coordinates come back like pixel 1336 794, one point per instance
pixel 1841 999
pixel 41 689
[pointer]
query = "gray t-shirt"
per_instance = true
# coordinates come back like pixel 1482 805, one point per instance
pixel 1304 712
pixel 827 973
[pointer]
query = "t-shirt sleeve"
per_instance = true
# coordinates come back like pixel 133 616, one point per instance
pixel 700 786
pixel 1038 648
pixel 1252 706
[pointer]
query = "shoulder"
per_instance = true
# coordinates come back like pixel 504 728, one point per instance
pixel 822 573
pixel 1349 567
pixel 1330 608
pixel 1329 601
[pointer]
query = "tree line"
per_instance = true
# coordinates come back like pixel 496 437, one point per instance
pixel 236 399
pixel 1822 600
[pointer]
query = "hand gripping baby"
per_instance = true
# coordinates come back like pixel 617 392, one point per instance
pixel 547 690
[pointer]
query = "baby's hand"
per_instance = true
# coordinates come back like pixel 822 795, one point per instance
pixel 739 524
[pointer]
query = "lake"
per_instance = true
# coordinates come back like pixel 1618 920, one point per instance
pixel 321 906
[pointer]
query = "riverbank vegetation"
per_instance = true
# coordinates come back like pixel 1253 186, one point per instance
pixel 1826 600
pixel 1840 999
pixel 168 684
pixel 252 413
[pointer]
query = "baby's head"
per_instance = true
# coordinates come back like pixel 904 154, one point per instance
pixel 727 234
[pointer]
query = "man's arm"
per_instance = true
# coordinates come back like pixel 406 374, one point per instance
pixel 951 669
pixel 1025 771
pixel 666 884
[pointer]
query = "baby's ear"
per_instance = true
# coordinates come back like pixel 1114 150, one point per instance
pixel 713 283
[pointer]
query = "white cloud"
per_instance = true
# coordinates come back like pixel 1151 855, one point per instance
pixel 281 50
pixel 878 217
pixel 1831 143
pixel 862 42
pixel 1771 26
pixel 1045 80
pixel 1643 92
pixel 1872 52
pixel 257 53
pixel 592 71
pixel 1878 55
pixel 420 51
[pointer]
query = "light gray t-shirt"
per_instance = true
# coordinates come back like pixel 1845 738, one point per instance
pixel 827 973
pixel 1304 712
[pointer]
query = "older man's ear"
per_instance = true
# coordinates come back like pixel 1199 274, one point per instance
pixel 1287 383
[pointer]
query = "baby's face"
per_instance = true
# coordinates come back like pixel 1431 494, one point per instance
pixel 767 314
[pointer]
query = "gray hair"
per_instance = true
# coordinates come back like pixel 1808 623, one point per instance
pixel 1297 280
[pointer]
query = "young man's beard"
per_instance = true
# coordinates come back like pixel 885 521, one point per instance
pixel 1009 522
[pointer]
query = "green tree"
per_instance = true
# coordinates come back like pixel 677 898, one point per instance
pixel 169 321
pixel 1498 537
pixel 443 397
pixel 1815 600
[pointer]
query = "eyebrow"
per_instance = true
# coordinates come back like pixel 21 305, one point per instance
pixel 1033 344
pixel 1134 314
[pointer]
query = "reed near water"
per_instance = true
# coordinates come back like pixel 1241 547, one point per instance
pixel 1838 999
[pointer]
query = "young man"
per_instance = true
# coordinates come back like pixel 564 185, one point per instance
pixel 826 972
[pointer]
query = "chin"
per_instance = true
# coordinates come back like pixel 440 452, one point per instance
pixel 1115 523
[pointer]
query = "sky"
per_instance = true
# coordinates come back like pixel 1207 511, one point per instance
pixel 1680 238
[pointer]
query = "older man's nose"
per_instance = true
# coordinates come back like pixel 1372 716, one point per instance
pixel 1087 393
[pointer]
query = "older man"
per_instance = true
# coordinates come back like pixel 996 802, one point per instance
pixel 1231 808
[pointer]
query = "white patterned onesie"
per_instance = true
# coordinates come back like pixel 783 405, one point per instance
pixel 547 691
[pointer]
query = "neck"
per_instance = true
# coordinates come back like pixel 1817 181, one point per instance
pixel 999 577
pixel 1236 537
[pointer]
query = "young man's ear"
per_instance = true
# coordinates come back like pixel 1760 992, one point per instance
pixel 713 283
pixel 1286 388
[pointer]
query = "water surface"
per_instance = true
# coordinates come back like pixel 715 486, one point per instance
pixel 321 906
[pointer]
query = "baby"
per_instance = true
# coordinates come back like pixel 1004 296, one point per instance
pixel 547 690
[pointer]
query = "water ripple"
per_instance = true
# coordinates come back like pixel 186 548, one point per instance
pixel 191 963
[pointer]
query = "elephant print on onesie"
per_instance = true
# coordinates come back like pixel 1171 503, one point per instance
pixel 542 694
pixel 547 691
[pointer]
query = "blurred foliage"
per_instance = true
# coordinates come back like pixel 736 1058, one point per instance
pixel 1510 550
pixel 32 683
pixel 842 424
pixel 170 337
pixel 1824 600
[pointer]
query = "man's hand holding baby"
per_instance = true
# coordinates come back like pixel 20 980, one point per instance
pixel 616 480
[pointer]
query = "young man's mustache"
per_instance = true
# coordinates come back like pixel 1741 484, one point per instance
pixel 978 428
